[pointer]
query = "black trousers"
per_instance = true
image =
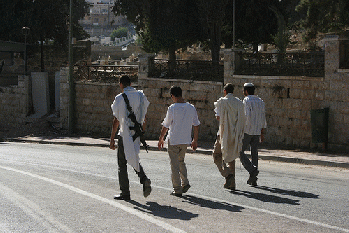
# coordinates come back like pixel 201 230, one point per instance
pixel 122 170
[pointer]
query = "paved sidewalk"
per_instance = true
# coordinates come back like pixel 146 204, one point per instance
pixel 204 148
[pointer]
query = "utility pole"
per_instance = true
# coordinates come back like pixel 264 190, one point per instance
pixel 233 36
pixel 71 112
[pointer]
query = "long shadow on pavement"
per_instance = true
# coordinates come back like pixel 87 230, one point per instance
pixel 163 211
pixel 211 204
pixel 266 197
pixel 288 192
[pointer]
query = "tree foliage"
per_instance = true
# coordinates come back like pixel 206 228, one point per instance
pixel 118 33
pixel 47 20
pixel 164 25
pixel 323 16
pixel 255 23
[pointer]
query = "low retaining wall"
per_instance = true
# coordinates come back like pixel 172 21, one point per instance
pixel 93 102
pixel 14 102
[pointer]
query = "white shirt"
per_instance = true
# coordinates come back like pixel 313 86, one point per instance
pixel 255 115
pixel 139 104
pixel 179 119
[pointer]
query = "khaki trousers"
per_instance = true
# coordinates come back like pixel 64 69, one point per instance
pixel 178 168
pixel 218 160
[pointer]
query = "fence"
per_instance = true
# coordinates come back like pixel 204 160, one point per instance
pixel 186 69
pixel 276 64
pixel 104 73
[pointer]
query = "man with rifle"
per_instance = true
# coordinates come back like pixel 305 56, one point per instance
pixel 129 110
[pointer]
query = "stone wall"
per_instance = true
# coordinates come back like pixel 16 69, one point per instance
pixel 202 94
pixel 93 100
pixel 289 101
pixel 14 102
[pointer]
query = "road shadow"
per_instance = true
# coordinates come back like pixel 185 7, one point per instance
pixel 288 192
pixel 211 204
pixel 163 211
pixel 266 197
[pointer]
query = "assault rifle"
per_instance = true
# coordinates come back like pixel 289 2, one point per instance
pixel 139 132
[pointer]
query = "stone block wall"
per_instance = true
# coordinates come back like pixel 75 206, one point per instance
pixel 14 102
pixel 289 101
pixel 93 100
pixel 201 94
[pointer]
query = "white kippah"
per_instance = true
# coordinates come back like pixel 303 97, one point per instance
pixel 248 85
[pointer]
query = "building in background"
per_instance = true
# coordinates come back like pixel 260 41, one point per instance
pixel 101 21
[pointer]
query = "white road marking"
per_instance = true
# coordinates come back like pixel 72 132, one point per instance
pixel 219 200
pixel 33 210
pixel 139 214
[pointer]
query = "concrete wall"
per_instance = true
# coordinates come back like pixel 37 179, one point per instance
pixel 93 102
pixel 14 102
pixel 289 101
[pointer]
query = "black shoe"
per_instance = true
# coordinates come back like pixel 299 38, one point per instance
pixel 176 194
pixel 253 178
pixel 146 188
pixel 122 197
pixel 186 188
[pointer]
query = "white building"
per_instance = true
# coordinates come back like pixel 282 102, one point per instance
pixel 101 21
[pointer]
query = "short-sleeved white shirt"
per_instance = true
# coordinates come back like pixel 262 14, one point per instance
pixel 179 120
pixel 255 115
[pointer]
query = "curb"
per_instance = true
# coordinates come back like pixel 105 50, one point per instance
pixel 198 151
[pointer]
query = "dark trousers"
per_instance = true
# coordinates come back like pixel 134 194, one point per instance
pixel 253 141
pixel 122 170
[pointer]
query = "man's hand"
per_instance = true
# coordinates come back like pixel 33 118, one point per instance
pixel 161 144
pixel 262 135
pixel 112 144
pixel 194 145
pixel 161 138
pixel 115 126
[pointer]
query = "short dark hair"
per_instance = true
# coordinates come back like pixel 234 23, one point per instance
pixel 250 90
pixel 125 80
pixel 176 91
pixel 229 88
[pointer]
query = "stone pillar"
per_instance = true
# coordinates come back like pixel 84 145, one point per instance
pixel 144 63
pixel 232 61
pixel 331 54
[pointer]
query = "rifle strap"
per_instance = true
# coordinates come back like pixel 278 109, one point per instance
pixel 129 108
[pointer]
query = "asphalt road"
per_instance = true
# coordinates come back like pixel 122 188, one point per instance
pixel 58 188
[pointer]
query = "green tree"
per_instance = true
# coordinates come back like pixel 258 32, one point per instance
pixel 118 33
pixel 164 25
pixel 212 14
pixel 47 20
pixel 323 16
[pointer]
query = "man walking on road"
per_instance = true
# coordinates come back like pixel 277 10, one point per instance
pixel 180 118
pixel 128 140
pixel 230 113
pixel 254 131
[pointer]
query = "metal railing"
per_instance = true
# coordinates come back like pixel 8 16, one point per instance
pixel 186 69
pixel 104 73
pixel 309 64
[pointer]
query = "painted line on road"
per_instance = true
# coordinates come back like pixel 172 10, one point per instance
pixel 33 210
pixel 219 200
pixel 132 211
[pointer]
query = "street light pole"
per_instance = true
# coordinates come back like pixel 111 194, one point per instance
pixel 71 79
pixel 233 36
pixel 25 31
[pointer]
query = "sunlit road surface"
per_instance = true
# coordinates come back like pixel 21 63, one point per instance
pixel 57 188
